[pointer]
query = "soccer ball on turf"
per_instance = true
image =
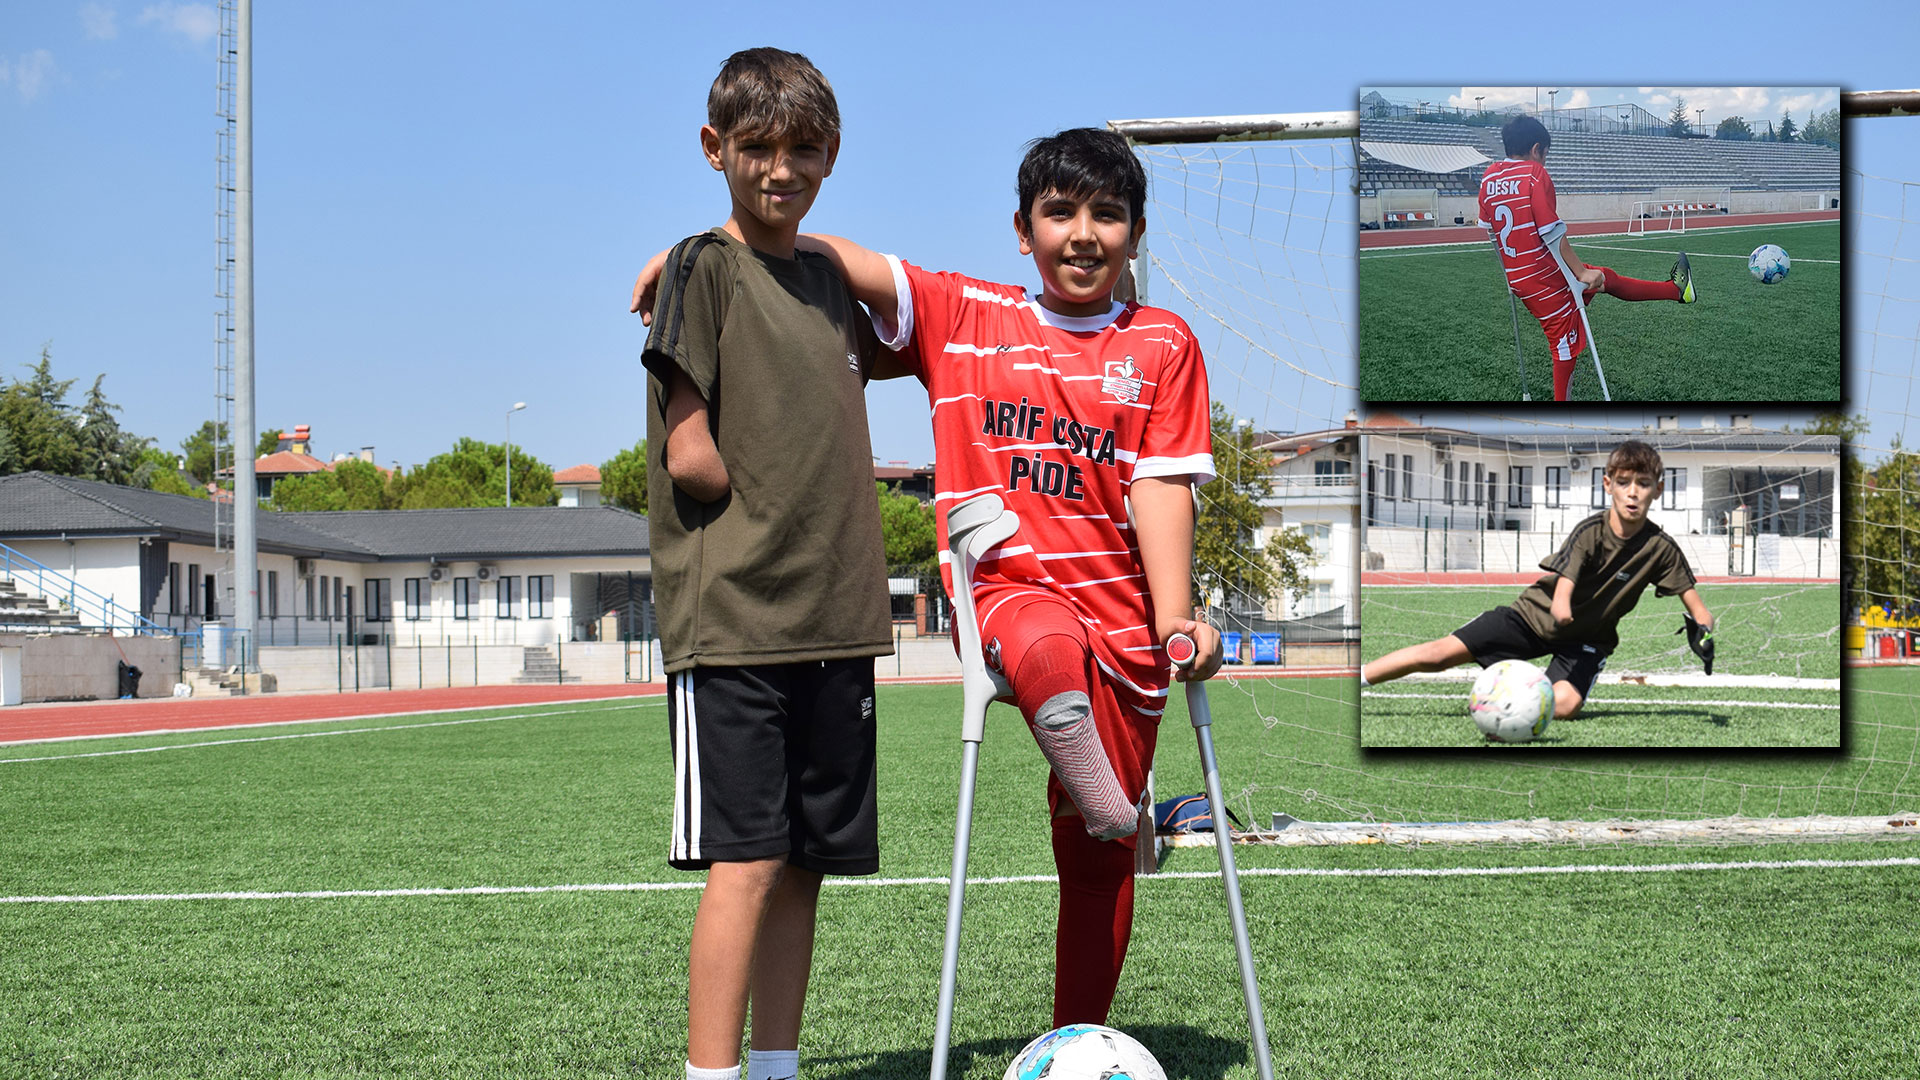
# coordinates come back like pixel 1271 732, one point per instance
pixel 1769 263
pixel 1085 1052
pixel 1512 701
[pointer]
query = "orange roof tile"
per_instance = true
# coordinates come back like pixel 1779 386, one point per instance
pixel 578 474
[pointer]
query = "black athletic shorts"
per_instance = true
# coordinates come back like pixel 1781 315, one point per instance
pixel 774 760
pixel 1501 634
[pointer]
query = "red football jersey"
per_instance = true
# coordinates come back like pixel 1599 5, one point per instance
pixel 1058 416
pixel 1517 203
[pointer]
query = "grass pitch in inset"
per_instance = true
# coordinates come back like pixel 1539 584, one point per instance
pixel 1435 323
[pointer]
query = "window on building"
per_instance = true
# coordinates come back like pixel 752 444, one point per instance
pixel 379 592
pixel 1520 485
pixel 173 588
pixel 1447 473
pixel 339 597
pixel 1599 488
pixel 309 607
pixel 193 588
pixel 1320 536
pixel 324 594
pixel 463 598
pixel 539 596
pixel 1556 486
pixel 1674 497
pixel 410 593
pixel 1493 489
pixel 1406 476
pixel 1393 474
pixel 273 594
pixel 503 592
pixel 1479 483
pixel 1330 473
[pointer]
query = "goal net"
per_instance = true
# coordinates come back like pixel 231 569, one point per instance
pixel 1251 238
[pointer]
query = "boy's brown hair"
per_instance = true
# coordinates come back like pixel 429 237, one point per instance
pixel 1636 457
pixel 772 92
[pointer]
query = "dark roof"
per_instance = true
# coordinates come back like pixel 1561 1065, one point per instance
pixel 39 505
pixel 495 532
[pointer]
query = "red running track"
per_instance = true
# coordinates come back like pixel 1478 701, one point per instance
pixel 31 723
pixel 1473 234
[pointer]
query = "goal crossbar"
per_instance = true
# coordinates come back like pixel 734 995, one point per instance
pixel 1257 128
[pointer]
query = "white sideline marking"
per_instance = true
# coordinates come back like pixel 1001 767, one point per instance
pixel 1466 672
pixel 1022 879
pixel 1656 703
pixel 303 735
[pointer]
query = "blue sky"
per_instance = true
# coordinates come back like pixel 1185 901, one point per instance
pixel 452 200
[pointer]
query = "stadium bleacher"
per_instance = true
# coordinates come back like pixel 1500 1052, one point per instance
pixel 1587 163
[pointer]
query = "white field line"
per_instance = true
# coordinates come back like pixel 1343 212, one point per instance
pixel 1466 673
pixel 302 720
pixel 308 735
pixel 1024 879
pixel 1454 247
pixel 1657 703
pixel 1697 255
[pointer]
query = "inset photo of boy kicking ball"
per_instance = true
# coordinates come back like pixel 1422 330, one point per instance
pixel 1590 243
pixel 1601 586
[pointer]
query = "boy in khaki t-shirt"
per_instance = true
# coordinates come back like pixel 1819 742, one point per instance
pixel 1574 611
pixel 768 566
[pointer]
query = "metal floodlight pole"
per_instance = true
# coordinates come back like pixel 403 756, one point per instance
pixel 246 504
pixel 517 406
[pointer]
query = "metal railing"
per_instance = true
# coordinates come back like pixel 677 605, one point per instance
pixel 95 612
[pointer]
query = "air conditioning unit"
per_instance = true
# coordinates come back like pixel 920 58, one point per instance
pixel 303 568
pixel 486 573
pixel 1441 452
pixel 439 573
pixel 1579 463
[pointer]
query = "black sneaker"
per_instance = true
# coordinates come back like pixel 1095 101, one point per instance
pixel 1682 276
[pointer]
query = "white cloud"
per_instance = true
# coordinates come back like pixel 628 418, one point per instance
pixel 28 73
pixel 1497 97
pixel 199 22
pixel 99 21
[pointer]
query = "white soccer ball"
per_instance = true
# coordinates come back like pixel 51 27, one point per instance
pixel 1512 701
pixel 1085 1052
pixel 1769 263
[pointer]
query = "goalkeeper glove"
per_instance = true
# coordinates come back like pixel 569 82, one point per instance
pixel 1699 639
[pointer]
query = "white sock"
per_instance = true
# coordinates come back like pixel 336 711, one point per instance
pixel 773 1065
pixel 1363 678
pixel 694 1073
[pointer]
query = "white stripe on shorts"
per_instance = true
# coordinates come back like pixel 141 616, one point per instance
pixel 686 773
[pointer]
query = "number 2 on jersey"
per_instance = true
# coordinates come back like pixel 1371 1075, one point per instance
pixel 1504 215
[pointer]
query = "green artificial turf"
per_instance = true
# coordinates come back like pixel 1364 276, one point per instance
pixel 1711 971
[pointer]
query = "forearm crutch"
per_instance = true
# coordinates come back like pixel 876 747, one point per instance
pixel 1519 354
pixel 1181 650
pixel 1579 305
pixel 974 527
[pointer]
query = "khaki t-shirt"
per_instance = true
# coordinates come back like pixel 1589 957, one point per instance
pixel 1608 573
pixel 789 565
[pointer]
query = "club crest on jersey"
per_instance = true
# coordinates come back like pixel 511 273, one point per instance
pixel 1122 381
pixel 992 656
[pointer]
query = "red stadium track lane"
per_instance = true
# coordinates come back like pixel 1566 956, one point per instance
pixel 39 723
pixel 1462 578
pixel 1473 234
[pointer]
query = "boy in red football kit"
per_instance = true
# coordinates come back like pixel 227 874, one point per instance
pixel 1518 207
pixel 1090 419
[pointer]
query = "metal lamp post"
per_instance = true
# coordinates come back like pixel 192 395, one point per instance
pixel 517 406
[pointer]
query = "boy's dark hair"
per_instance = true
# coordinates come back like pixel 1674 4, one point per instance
pixel 1080 163
pixel 1634 456
pixel 1521 134
pixel 772 92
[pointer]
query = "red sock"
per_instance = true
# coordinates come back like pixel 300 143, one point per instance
pixel 1055 664
pixel 1627 288
pixel 1562 375
pixel 1096 921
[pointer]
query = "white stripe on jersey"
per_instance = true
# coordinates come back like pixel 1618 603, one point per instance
pixel 1131 685
pixel 944 496
pixel 969 292
pixel 686 781
pixel 1097 581
pixel 991 350
pixel 1126 629
pixel 1079 554
pixel 1197 465
pixel 957 397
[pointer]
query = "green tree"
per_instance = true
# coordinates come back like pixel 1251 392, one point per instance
pixel 1823 128
pixel 198 449
pixel 269 442
pixel 1677 123
pixel 907 525
pixel 160 471
pixel 107 452
pixel 1229 570
pixel 41 427
pixel 623 479
pixel 473 474
pixel 1734 129
pixel 1787 129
